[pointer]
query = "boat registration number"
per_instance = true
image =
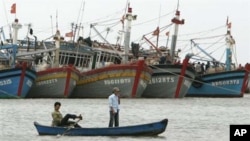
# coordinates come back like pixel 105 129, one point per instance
pixel 155 80
pixel 5 82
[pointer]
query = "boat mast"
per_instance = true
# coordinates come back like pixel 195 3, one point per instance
pixel 16 26
pixel 230 43
pixel 129 18
pixel 176 20
pixel 3 35
pixel 57 39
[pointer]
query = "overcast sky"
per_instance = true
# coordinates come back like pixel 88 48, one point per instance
pixel 199 15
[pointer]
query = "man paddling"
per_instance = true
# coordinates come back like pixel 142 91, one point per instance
pixel 59 120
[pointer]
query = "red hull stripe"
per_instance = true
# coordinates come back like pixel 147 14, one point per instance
pixel 66 90
pixel 137 77
pixel 181 77
pixel 245 81
pixel 20 87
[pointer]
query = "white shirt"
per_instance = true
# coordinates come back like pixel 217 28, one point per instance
pixel 113 102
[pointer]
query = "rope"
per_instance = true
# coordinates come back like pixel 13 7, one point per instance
pixel 193 80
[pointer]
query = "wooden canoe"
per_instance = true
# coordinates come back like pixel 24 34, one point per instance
pixel 148 129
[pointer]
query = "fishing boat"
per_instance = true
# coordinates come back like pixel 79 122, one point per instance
pixel 149 129
pixel 170 78
pixel 16 78
pixel 61 71
pixel 131 78
pixel 248 85
pixel 113 68
pixel 219 79
pixel 54 83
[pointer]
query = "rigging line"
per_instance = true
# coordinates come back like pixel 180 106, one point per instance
pixel 165 27
pixel 5 13
pixel 210 37
pixel 203 32
pixel 106 17
pixel 214 43
pixel 109 20
pixel 150 20
pixel 114 23
pixel 104 30
pixel 79 14
pixel 201 52
pixel 219 47
pixel 164 70
pixel 222 55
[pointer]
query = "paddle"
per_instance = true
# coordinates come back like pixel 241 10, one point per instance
pixel 69 128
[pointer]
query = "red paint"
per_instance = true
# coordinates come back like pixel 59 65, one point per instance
pixel 113 67
pixel 245 81
pixel 140 66
pixel 182 75
pixel 66 89
pixel 20 87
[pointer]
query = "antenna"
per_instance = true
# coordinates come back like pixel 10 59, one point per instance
pixel 52 24
pixel 56 20
pixel 178 5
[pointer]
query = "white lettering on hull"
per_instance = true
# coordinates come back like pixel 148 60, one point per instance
pixel 156 80
pixel 5 82
pixel 187 83
pixel 29 83
pixel 47 82
pixel 143 84
pixel 117 81
pixel 226 82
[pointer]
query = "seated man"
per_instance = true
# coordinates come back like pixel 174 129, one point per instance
pixel 58 120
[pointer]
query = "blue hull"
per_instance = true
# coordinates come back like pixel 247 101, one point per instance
pixel 135 130
pixel 16 82
pixel 222 84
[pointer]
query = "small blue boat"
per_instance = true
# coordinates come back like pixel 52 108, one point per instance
pixel 148 129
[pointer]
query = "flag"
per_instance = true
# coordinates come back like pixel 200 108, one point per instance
pixel 69 34
pixel 156 32
pixel 13 8
pixel 167 33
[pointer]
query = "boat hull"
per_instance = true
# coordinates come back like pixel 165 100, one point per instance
pixel 165 79
pixel 132 79
pixel 55 83
pixel 221 84
pixel 135 130
pixel 16 82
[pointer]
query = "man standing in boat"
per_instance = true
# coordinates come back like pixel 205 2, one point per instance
pixel 58 120
pixel 114 101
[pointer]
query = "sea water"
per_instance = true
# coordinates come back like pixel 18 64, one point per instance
pixel 190 119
